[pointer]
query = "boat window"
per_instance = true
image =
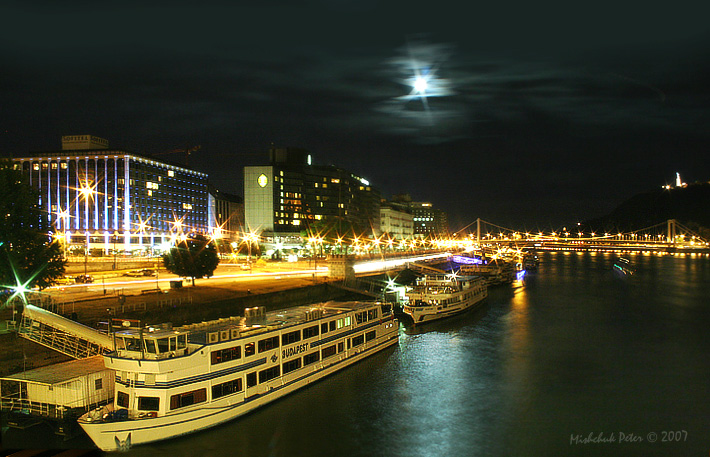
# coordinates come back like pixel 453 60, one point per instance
pixel 148 403
pixel 251 379
pixel 361 317
pixel 133 344
pixel 268 343
pixel 313 357
pixel 324 327
pixel 150 345
pixel 327 352
pixel 225 355
pixel 188 398
pixel 120 344
pixel 162 345
pixel 348 321
pixel 269 374
pixel 249 349
pixel 332 325
pixel 182 341
pixel 227 388
pixel 122 399
pixel 173 343
pixel 310 332
pixel 288 338
pixel 291 365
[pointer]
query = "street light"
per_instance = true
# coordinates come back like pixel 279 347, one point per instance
pixel 64 216
pixel 87 192
pixel 250 238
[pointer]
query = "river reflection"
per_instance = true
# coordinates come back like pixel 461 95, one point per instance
pixel 574 350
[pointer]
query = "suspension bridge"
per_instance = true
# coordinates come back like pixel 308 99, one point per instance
pixel 668 236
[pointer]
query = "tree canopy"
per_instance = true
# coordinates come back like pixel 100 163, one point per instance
pixel 194 257
pixel 28 256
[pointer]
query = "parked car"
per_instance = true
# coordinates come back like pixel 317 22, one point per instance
pixel 84 279
pixel 138 273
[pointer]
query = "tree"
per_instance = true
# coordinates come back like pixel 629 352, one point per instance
pixel 28 256
pixel 195 257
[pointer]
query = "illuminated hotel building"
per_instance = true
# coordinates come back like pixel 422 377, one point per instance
pixel 112 198
pixel 291 194
pixel 429 220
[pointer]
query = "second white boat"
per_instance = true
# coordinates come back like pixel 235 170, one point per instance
pixel 439 296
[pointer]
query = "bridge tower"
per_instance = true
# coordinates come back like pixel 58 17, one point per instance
pixel 671 231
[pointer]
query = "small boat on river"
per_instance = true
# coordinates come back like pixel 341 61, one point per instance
pixel 437 296
pixel 624 266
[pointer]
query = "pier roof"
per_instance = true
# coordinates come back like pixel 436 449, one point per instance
pixel 60 372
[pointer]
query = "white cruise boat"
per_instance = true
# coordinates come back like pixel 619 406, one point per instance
pixel 439 296
pixel 170 382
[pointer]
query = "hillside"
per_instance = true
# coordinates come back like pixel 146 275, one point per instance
pixel 689 205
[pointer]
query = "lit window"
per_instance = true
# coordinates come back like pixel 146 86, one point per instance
pixel 296 222
pixel 35 166
pixel 171 173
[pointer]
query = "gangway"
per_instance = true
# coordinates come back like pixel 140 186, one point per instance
pixel 425 269
pixel 361 286
pixel 62 334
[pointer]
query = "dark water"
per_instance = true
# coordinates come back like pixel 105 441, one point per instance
pixel 577 351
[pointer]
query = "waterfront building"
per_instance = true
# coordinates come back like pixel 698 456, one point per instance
pixel 427 220
pixel 111 199
pixel 291 195
pixel 396 220
pixel 228 212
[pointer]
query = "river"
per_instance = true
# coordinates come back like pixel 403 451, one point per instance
pixel 574 360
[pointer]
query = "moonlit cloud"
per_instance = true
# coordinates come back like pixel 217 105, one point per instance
pixel 521 93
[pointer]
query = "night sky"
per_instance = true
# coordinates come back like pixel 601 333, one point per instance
pixel 534 115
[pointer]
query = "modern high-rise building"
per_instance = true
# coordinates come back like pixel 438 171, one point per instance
pixel 291 194
pixel 114 199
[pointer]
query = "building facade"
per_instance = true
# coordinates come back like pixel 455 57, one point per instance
pixel 398 223
pixel 228 212
pixel 429 221
pixel 115 200
pixel 291 195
